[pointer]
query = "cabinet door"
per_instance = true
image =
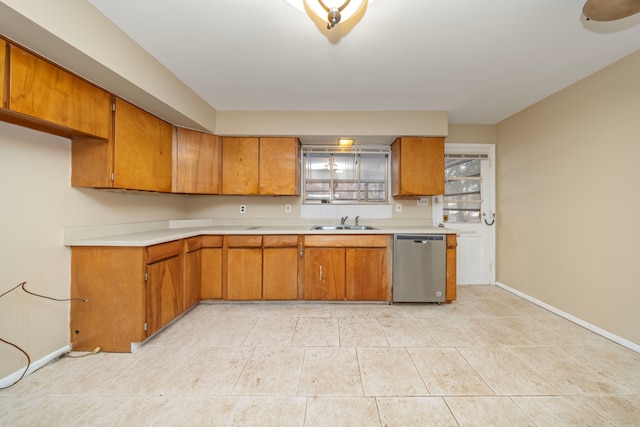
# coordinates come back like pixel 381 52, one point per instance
pixel 366 277
pixel 43 91
pixel 244 274
pixel 164 293
pixel 196 163
pixel 3 53
pixel 280 166
pixel 143 150
pixel 417 166
pixel 280 274
pixel 112 280
pixel 193 271
pixel 324 274
pixel 240 165
pixel 451 290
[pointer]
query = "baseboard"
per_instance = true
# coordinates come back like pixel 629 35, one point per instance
pixel 593 328
pixel 35 365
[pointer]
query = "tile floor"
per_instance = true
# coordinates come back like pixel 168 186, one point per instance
pixel 489 359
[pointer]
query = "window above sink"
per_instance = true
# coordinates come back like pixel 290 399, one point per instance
pixel 355 175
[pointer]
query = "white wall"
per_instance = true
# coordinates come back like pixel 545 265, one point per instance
pixel 568 200
pixel 37 203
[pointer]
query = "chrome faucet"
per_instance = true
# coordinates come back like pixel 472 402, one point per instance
pixel 343 220
pixel 357 219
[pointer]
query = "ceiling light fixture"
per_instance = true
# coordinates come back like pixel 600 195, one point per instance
pixel 610 10
pixel 345 142
pixel 335 11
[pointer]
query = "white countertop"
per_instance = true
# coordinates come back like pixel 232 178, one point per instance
pixel 146 234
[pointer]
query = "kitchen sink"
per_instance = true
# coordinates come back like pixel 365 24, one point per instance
pixel 342 227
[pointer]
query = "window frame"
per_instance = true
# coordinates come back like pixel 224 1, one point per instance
pixel 357 151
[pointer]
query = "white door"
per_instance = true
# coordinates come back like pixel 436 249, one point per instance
pixel 469 206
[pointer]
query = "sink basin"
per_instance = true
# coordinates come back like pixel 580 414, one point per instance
pixel 359 227
pixel 327 227
pixel 342 227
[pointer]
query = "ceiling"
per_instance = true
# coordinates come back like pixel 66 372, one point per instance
pixel 481 61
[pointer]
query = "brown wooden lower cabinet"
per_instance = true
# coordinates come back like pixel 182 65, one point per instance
pixel 211 267
pixel 279 267
pixel 451 289
pixel 354 267
pixel 242 259
pixel 324 274
pixel 133 292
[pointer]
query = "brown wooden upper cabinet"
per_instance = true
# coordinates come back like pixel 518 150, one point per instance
pixel 268 166
pixel 45 97
pixel 280 166
pixel 196 162
pixel 417 166
pixel 137 156
pixel 3 56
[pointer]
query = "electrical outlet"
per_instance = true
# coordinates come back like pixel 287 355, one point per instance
pixel 287 208
pixel 398 207
pixel 423 201
pixel 243 209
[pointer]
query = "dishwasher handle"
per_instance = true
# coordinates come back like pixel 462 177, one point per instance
pixel 420 238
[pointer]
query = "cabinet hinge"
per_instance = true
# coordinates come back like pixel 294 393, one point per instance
pixel 145 326
pixel 113 176
pixel 113 107
pixel 146 276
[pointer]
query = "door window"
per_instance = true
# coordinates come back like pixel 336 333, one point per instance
pixel 463 188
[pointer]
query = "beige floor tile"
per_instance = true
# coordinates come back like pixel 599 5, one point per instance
pixel 446 372
pixel 362 332
pixel 610 360
pixel 559 411
pixel 352 309
pixel 213 371
pixel 333 412
pixel 489 358
pixel 316 332
pixel 269 411
pixel 85 375
pixel 453 331
pixel 330 371
pixel 196 411
pixel 484 411
pixel 271 331
pixel 223 331
pixel 271 371
pixel 504 372
pixel 124 410
pixel 565 374
pixel 414 411
pixel 623 410
pixel 389 372
pixel 47 410
pixel 154 372
pixel 406 333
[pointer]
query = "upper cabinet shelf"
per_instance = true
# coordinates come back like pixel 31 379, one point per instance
pixel 45 97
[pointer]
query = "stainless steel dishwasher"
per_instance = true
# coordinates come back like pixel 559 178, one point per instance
pixel 419 267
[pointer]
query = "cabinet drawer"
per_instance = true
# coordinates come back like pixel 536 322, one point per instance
pixel 162 251
pixel 211 241
pixel 243 241
pixel 280 241
pixel 339 241
pixel 193 244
